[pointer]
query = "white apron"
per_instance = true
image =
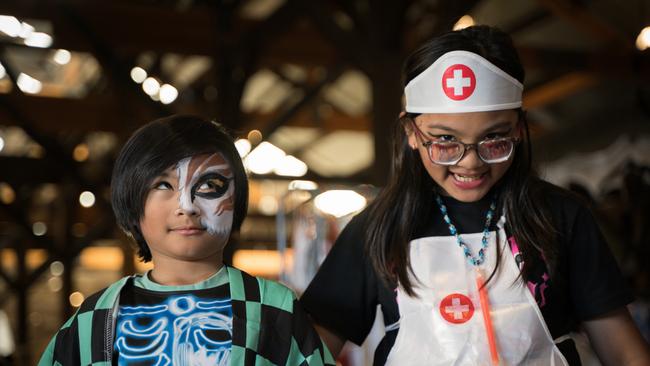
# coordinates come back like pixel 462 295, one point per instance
pixel 445 325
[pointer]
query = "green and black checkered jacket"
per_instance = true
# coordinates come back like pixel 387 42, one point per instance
pixel 269 327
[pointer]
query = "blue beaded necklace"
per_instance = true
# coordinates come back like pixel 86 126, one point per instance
pixel 486 232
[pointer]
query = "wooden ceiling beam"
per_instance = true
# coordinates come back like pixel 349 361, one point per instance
pixel 101 113
pixel 559 88
pixel 130 28
pixel 331 121
pixel 586 71
pixel 59 115
pixel 580 17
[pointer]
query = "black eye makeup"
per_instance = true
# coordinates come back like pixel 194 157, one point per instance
pixel 210 186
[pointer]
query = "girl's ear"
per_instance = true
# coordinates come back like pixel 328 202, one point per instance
pixel 519 133
pixel 408 130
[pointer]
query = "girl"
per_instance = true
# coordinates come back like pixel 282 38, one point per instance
pixel 472 259
pixel 179 189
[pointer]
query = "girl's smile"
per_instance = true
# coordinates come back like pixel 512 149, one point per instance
pixel 468 181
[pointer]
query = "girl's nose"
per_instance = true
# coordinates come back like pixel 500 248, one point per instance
pixel 470 160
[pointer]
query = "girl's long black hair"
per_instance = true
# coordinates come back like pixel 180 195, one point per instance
pixel 406 200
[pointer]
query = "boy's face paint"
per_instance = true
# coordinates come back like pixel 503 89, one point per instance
pixel 205 186
pixel 188 213
pixel 470 179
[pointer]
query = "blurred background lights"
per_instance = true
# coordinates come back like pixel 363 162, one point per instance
pixel 243 147
pixel 80 153
pixel 3 72
pixel 255 137
pixel 643 40
pixel 10 25
pixel 303 185
pixel 464 22
pixel 62 57
pixel 339 203
pixel 7 194
pixel 138 74
pixel 28 84
pixel 55 284
pixel 151 86
pixel 39 39
pixel 39 228
pixel 87 199
pixel 263 159
pixel 2 143
pixel 168 94
pixel 290 166
pixel 268 205
pixel 57 268
pixel 26 30
pixel 76 298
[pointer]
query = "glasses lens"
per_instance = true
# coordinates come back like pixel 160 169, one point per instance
pixel 494 151
pixel 445 152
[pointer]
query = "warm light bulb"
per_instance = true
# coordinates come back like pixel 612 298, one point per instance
pixel 167 94
pixel 87 199
pixel 464 22
pixel 643 40
pixel 62 57
pixel 138 74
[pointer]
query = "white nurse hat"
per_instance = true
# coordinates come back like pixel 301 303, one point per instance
pixel 462 81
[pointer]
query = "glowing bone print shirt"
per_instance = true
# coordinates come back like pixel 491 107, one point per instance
pixel 167 325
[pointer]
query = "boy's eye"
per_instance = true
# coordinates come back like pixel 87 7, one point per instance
pixel 211 186
pixel 162 185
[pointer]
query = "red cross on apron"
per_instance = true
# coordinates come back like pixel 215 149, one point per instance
pixel 456 308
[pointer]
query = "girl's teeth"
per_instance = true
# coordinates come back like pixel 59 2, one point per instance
pixel 463 178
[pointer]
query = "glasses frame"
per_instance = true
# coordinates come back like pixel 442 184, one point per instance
pixel 429 143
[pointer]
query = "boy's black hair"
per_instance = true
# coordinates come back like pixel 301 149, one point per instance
pixel 156 147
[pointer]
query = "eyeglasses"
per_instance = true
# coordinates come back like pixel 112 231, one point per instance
pixel 490 151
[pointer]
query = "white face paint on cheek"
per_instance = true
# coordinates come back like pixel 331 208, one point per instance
pixel 217 223
pixel 216 215
pixel 185 198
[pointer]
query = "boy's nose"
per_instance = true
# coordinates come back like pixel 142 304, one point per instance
pixel 186 206
pixel 191 211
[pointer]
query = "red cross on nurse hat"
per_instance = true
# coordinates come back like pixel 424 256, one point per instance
pixel 462 81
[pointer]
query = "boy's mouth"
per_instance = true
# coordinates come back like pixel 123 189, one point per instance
pixel 188 230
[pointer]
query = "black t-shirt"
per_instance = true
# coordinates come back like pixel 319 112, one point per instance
pixel 174 324
pixel 346 290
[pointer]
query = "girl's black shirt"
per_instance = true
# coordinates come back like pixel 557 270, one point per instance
pixel 345 292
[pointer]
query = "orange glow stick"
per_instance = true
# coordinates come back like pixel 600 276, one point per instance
pixel 485 309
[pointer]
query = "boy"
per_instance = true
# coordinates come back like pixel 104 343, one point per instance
pixel 179 189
